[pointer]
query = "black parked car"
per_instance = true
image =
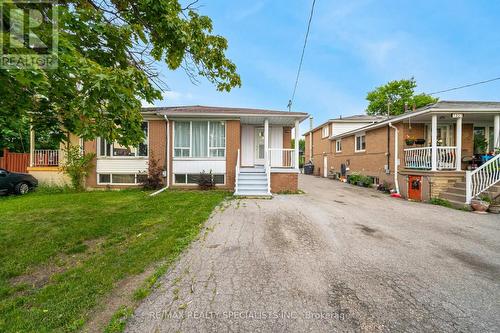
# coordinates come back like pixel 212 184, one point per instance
pixel 19 183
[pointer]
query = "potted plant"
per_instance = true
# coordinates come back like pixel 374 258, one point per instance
pixel 410 141
pixel 480 144
pixel 420 141
pixel 481 204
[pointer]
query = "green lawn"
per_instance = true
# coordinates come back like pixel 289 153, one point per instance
pixel 62 254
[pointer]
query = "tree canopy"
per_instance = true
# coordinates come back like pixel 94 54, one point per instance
pixel 397 93
pixel 107 57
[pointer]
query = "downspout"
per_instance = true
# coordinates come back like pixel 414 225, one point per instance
pixel 167 158
pixel 311 138
pixel 395 157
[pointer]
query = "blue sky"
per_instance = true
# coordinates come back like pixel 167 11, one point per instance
pixel 353 47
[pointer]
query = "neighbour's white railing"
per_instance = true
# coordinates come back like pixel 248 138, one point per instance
pixel 418 158
pixel 268 174
pixel 46 157
pixel 282 158
pixel 237 172
pixel 482 178
pixel 446 158
pixel 421 158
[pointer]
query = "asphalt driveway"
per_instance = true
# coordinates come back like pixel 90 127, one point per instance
pixel 338 258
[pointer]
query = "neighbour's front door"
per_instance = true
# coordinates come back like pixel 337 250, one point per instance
pixel 259 145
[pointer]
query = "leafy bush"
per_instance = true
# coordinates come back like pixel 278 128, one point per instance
pixel 206 181
pixel 354 178
pixel 357 179
pixel 77 165
pixel 154 179
pixel 440 202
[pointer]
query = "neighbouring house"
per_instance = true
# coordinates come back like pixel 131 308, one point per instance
pixel 426 152
pixel 246 150
pixel 320 149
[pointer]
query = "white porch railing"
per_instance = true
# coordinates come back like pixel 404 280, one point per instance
pixel 45 157
pixel 482 178
pixel 282 158
pixel 237 172
pixel 421 158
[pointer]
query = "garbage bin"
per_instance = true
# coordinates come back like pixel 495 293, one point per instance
pixel 308 168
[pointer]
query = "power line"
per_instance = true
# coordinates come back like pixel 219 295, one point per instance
pixel 465 86
pixel 290 101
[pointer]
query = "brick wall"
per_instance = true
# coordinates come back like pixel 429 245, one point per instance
pixel 157 141
pixel 321 147
pixel 91 147
pixel 233 136
pixel 371 162
pixel 284 182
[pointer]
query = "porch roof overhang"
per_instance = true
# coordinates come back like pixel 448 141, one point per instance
pixel 471 111
pixel 246 116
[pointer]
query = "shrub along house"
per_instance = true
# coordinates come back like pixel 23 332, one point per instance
pixel 320 149
pixel 246 150
pixel 426 152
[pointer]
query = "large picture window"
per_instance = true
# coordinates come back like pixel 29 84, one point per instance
pixel 116 150
pixel 200 139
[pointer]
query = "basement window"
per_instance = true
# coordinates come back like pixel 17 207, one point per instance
pixel 192 179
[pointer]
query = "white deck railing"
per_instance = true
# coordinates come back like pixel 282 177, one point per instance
pixel 421 158
pixel 45 157
pixel 237 172
pixel 482 178
pixel 282 158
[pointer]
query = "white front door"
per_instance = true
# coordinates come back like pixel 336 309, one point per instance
pixel 259 146
pixel 325 166
pixel 247 145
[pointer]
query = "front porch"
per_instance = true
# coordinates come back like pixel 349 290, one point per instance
pixel 451 141
pixel 266 161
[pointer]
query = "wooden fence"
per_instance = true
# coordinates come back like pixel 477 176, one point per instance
pixel 14 162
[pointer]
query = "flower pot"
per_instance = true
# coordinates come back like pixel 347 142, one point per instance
pixel 494 208
pixel 479 206
pixel 409 142
pixel 420 141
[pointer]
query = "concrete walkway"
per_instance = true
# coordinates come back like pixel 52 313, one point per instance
pixel 339 258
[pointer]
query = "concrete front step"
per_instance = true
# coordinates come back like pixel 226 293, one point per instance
pixel 242 187
pixel 252 170
pixel 251 176
pixel 453 196
pixel 456 190
pixel 252 180
pixel 459 204
pixel 252 193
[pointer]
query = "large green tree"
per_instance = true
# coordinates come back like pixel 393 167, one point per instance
pixel 397 94
pixel 108 56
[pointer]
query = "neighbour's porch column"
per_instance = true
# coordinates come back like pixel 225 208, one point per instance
pixel 266 142
pixel 458 145
pixel 296 141
pixel 496 135
pixel 32 146
pixel 434 143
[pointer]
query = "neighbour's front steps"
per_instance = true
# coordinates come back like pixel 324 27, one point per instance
pixel 252 182
pixel 455 194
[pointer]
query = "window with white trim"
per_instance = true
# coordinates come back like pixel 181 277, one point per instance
pixel 325 131
pixel 121 178
pixel 107 149
pixel 360 142
pixel 200 139
pixel 338 145
pixel 192 179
